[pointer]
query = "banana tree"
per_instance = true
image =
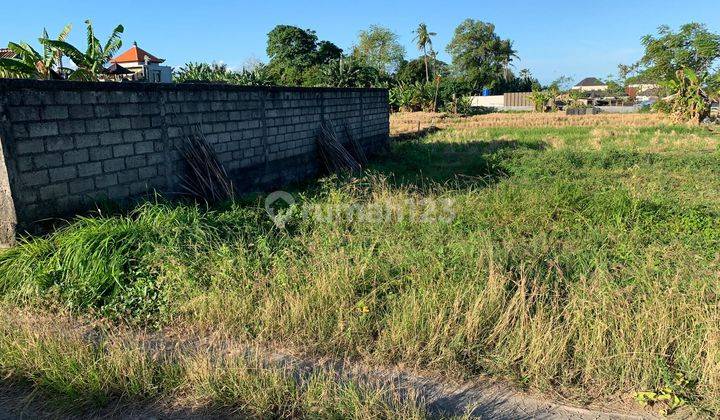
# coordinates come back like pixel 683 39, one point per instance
pixel 91 63
pixel 30 64
pixel 689 102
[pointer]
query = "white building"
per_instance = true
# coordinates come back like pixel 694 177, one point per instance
pixel 143 65
pixel 590 84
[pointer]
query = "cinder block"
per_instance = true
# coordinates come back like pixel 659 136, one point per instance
pixel 104 181
pixel 62 173
pixel 81 111
pixel 23 113
pixel 54 144
pixel 75 156
pixel 147 172
pixel 123 150
pixel 97 125
pixel 130 109
pixel 152 134
pixel 100 153
pixel 82 185
pixel 128 176
pixel 47 160
pixel 114 165
pixel 110 138
pixel 86 140
pixel 25 147
pixel 90 169
pixel 119 124
pixel 71 126
pixel 132 136
pixel 32 179
pixel 67 97
pixel 118 192
pixel 43 129
pixel 135 161
pixel 53 191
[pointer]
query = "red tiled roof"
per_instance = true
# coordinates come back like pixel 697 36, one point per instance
pixel 136 55
pixel 6 53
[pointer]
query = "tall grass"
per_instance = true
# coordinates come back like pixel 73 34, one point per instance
pixel 126 368
pixel 580 259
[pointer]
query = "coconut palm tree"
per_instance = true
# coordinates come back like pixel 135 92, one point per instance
pixel 28 63
pixel 91 63
pixel 423 40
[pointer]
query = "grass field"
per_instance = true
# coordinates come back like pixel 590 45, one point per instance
pixel 572 255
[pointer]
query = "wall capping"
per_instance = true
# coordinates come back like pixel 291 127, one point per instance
pixel 20 84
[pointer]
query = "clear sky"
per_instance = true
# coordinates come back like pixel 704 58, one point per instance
pixel 553 37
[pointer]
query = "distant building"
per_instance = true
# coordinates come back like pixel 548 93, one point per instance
pixel 590 84
pixel 643 91
pixel 143 65
pixel 6 53
pixel 643 86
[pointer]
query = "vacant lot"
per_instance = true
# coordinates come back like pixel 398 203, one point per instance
pixel 574 255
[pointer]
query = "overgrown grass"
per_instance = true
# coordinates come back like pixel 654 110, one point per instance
pixel 126 368
pixel 579 258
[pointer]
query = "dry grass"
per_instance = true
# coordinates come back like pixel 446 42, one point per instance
pixel 583 258
pixel 409 122
pixel 82 365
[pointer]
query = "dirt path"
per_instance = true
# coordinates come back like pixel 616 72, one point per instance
pixel 480 398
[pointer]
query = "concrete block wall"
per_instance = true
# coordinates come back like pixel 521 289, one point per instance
pixel 69 145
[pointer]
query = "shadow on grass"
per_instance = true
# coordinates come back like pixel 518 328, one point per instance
pixel 418 163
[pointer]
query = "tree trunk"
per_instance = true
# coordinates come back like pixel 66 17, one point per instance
pixel 427 72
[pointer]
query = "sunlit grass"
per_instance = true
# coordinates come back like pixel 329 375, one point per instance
pixel 582 257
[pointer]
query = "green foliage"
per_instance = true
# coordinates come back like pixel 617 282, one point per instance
pixel 91 63
pixel 423 40
pixel 693 47
pixel 114 264
pixel 296 55
pixel 348 73
pixel 292 46
pixel 524 82
pixel 220 73
pixel 412 97
pixel 327 52
pixel 379 47
pixel 689 102
pixel 543 100
pixel 414 70
pixel 29 64
pixel 479 53
pixel 575 259
pixel 677 393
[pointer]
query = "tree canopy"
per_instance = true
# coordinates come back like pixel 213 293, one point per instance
pixel 479 53
pixel 693 47
pixel 378 47
pixel 295 54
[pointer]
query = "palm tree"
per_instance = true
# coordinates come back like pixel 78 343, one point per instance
pixel 28 63
pixel 423 40
pixel 91 63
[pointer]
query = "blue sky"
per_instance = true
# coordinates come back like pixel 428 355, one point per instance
pixel 553 38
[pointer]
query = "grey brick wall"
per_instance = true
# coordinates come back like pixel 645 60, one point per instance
pixel 69 145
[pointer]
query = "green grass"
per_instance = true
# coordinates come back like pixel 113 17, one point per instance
pixel 120 367
pixel 583 260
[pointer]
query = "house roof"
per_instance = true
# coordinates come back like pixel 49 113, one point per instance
pixel 650 92
pixel 591 81
pixel 117 69
pixel 6 53
pixel 136 55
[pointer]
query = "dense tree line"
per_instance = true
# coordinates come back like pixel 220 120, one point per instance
pixel 480 59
